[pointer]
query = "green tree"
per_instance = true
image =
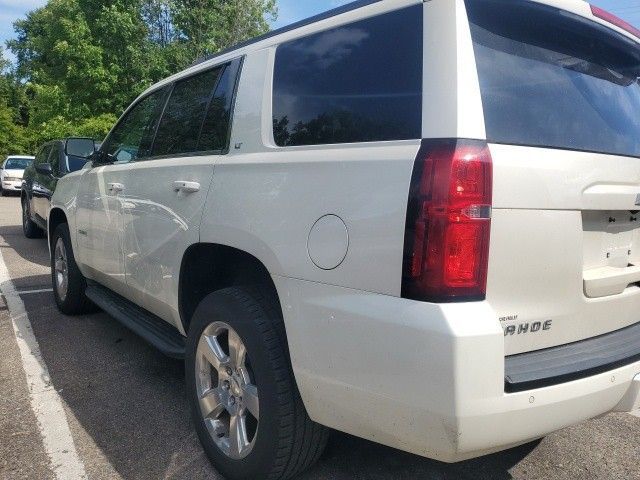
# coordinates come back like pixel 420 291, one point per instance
pixel 13 109
pixel 13 92
pixel 81 62
pixel 98 55
pixel 55 48
pixel 96 127
pixel 4 75
pixel 207 26
pixel 119 30
pixel 13 138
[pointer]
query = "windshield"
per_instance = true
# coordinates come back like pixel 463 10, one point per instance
pixel 17 163
pixel 549 78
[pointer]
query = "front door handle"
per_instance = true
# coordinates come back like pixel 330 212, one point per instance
pixel 187 187
pixel 116 187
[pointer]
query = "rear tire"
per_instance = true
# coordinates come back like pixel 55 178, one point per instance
pixel 69 284
pixel 282 441
pixel 30 229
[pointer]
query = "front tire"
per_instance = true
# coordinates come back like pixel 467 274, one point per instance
pixel 68 282
pixel 246 407
pixel 30 229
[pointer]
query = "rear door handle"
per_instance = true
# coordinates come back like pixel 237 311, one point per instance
pixel 116 187
pixel 187 187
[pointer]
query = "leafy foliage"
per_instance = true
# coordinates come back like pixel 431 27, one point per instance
pixel 12 136
pixel 79 63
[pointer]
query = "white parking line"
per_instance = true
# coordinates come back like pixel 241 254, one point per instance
pixel 45 401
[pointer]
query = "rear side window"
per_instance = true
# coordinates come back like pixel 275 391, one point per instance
pixel 215 130
pixel 552 79
pixel 360 82
pixel 183 116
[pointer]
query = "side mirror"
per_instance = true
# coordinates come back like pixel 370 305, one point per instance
pixel 80 147
pixel 44 169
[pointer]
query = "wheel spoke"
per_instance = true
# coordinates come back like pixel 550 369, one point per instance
pixel 210 348
pixel 212 403
pixel 237 350
pixel 250 400
pixel 238 441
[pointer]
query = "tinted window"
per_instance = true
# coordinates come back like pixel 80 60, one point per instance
pixel 553 79
pixel 133 136
pixel 215 130
pixel 361 82
pixel 75 163
pixel 180 126
pixel 54 158
pixel 17 163
pixel 43 154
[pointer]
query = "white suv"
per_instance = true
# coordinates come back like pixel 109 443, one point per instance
pixel 415 222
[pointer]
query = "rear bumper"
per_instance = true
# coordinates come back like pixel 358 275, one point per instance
pixel 518 418
pixel 425 378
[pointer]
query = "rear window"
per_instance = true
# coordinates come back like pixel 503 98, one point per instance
pixel 360 82
pixel 549 78
pixel 18 163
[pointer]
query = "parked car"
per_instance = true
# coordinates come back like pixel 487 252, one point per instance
pixel 415 222
pixel 11 173
pixel 40 178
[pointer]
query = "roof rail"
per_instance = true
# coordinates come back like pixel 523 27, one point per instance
pixel 302 23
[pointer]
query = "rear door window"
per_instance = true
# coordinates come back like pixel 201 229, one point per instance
pixel 360 82
pixel 184 114
pixel 549 78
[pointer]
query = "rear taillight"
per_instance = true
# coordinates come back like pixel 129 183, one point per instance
pixel 614 20
pixel 448 222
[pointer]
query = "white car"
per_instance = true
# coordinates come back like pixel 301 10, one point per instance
pixel 415 222
pixel 11 173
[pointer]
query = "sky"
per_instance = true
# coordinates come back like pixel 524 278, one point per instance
pixel 290 11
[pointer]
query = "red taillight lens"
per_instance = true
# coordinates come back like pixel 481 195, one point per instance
pixel 448 222
pixel 617 21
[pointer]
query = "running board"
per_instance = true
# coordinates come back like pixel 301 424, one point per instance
pixel 151 328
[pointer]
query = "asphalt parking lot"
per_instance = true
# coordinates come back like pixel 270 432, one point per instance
pixel 127 414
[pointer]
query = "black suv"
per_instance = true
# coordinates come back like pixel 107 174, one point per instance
pixel 39 183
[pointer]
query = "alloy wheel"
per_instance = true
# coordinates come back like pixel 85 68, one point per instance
pixel 227 393
pixel 61 269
